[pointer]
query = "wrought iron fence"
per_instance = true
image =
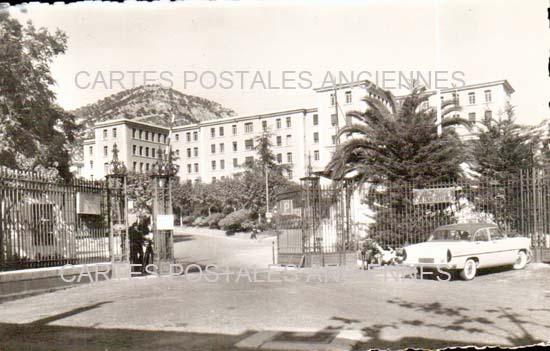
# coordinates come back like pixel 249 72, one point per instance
pixel 320 219
pixel 47 222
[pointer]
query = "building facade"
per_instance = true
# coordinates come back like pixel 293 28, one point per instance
pixel 302 138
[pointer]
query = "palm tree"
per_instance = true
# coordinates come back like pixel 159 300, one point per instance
pixel 397 140
pixel 395 146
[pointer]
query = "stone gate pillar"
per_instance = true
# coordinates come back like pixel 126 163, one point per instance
pixel 162 220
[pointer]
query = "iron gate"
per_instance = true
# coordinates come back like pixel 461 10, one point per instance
pixel 47 222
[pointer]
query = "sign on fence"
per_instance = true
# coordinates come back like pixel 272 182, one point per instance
pixel 433 196
pixel 165 222
pixel 88 203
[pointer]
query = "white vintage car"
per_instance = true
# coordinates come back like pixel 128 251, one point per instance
pixel 468 247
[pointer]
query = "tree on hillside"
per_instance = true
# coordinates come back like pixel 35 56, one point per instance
pixel 394 144
pixel 35 134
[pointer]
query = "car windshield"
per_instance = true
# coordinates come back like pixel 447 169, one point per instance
pixel 449 234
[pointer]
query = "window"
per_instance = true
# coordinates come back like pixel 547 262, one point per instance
pixel 289 157
pixel 235 162
pixel 189 168
pixel 264 125
pixel 234 128
pixel 315 119
pixel 91 150
pixel 177 137
pixel 289 174
pixel 333 119
pixel 288 139
pixel 158 137
pixel 141 150
pixel 472 98
pixel 334 140
pixel 288 122
pixel 280 158
pixel 146 152
pixel 279 140
pixel 134 167
pixel 488 114
pixel 316 155
pixel 177 152
pixel 348 97
pixel 146 167
pixel 332 100
pixel 154 152
pixel 91 164
pixel 234 146
pixel 195 136
pixel 213 148
pixel 472 117
pixel 249 160
pixel 249 144
pixel 222 148
pixel 481 235
pixel 456 98
pixel 134 133
pixel 278 122
pixel 106 167
pixel 222 164
pixel 147 136
pixel 496 234
pixel 488 97
pixel 221 131
pixel 114 132
pixel 196 168
pixel 189 153
pixel 105 151
pixel 213 132
pixel 164 136
pixel 214 165
pixel 105 133
pixel 141 167
pixel 140 134
pixel 134 150
pixel 196 151
pixel 248 127
pixel 316 137
pixel 188 135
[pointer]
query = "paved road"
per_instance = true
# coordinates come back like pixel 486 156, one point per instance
pixel 369 311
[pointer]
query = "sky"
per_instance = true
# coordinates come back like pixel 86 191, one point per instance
pixel 288 48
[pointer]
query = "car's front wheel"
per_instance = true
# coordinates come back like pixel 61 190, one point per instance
pixel 521 260
pixel 469 271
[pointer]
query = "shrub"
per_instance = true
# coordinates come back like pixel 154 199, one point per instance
pixel 248 225
pixel 187 220
pixel 200 222
pixel 233 221
pixel 213 219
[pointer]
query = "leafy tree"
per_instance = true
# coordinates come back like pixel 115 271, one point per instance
pixel 35 134
pixel 394 145
pixel 501 149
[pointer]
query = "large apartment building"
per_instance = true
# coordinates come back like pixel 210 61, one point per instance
pixel 301 138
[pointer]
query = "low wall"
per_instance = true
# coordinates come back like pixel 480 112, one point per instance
pixel 15 284
pixel 318 259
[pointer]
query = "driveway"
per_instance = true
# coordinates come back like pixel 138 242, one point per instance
pixel 361 309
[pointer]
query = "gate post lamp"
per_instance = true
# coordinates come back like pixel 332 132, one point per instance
pixel 117 179
pixel 162 219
